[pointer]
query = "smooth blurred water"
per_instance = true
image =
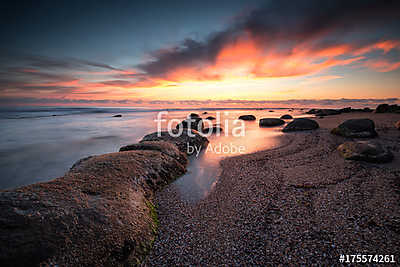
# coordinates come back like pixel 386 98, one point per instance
pixel 37 146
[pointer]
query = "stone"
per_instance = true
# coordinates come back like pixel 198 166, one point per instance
pixel 191 123
pixel 210 118
pixel 382 108
pixel 117 116
pixel 247 118
pixel 368 151
pixel 301 124
pixel 213 130
pixel 286 117
pixel 166 148
pixel 397 124
pixel 266 122
pixel 356 128
pixel 182 141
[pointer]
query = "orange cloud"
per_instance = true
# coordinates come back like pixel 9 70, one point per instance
pixel 382 65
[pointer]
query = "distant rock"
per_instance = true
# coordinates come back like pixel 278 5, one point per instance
pixel 193 115
pixel 312 111
pixel 327 112
pixel 205 112
pixel 301 124
pixel 117 116
pixel 369 151
pixel 386 108
pixel 210 118
pixel 192 123
pixel 188 137
pixel 356 128
pixel 161 146
pixel 247 118
pixel 271 111
pixel 397 125
pixel 266 122
pixel 212 130
pixel 286 117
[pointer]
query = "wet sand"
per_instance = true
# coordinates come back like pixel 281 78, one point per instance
pixel 300 203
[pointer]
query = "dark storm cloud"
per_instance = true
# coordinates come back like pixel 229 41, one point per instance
pixel 286 23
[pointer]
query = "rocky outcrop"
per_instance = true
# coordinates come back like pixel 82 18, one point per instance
pixel 356 128
pixel 188 137
pixel 368 151
pixel 329 112
pixel 386 108
pixel 247 118
pixel 301 124
pixel 267 122
pixel 100 213
pixel 286 117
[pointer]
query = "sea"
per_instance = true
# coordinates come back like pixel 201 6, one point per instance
pixel 38 144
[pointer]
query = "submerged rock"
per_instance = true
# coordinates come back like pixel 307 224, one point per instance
pixel 301 124
pixel 247 118
pixel 193 115
pixel 205 112
pixel 270 122
pixel 368 151
pixel 286 117
pixel 356 128
pixel 327 112
pixel 182 141
pixel 210 118
pixel 117 116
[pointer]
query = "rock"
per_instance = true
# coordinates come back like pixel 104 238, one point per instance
pixel 100 213
pixel 301 124
pixel 212 130
pixel 327 112
pixel 397 125
pixel 210 118
pixel 247 118
pixel 367 110
pixel 188 137
pixel 192 123
pixel 382 108
pixel 271 111
pixel 345 110
pixel 368 151
pixel 193 115
pixel 270 122
pixel 356 128
pixel 286 117
pixel 205 112
pixel 393 108
pixel 117 116
pixel 312 111
pixel 161 146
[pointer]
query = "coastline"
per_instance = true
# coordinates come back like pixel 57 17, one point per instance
pixel 300 202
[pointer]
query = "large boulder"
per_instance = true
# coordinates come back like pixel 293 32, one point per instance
pixel 167 148
pixel 301 124
pixel 382 108
pixel 286 117
pixel 191 123
pixel 266 122
pixel 247 117
pixel 356 128
pixel 98 214
pixel 368 151
pixel 182 141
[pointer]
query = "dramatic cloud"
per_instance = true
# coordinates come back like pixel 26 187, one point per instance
pixel 284 39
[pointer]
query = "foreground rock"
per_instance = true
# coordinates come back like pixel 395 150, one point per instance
pixel 301 124
pixel 356 128
pixel 267 122
pixel 213 130
pixel 98 214
pixel 191 123
pixel 188 137
pixel 368 151
pixel 286 117
pixel 166 148
pixel 247 118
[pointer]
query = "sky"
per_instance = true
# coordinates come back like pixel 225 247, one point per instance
pixel 199 53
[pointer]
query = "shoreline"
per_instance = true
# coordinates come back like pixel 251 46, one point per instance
pixel 300 202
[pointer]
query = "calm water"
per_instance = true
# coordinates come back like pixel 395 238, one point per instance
pixel 37 146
